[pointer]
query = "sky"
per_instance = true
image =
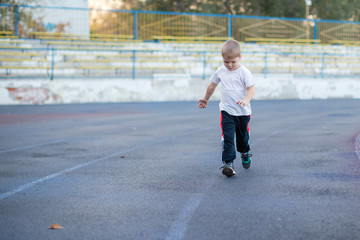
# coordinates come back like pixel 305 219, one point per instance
pixel 104 3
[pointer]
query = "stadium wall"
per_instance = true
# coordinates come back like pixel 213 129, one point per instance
pixel 66 16
pixel 274 87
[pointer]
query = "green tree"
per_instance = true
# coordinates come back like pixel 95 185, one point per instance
pixel 19 2
pixel 323 9
pixel 24 18
pixel 336 9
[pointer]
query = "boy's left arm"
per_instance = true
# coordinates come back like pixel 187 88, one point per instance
pixel 248 97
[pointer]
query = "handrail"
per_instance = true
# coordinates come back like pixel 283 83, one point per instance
pixel 137 58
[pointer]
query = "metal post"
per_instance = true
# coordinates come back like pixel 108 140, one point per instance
pixel 135 25
pixel 308 4
pixel 315 29
pixel 323 66
pixel 230 33
pixel 52 64
pixel 265 64
pixel 134 61
pixel 16 16
pixel 204 65
pixel 307 22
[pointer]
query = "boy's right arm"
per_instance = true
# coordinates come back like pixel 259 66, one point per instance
pixel 202 102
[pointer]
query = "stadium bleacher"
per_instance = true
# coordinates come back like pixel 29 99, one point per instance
pixel 78 58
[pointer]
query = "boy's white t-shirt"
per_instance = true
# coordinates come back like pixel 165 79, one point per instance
pixel 234 86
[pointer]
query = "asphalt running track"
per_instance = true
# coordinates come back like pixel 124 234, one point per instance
pixel 151 171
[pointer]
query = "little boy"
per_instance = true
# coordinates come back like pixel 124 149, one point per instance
pixel 238 88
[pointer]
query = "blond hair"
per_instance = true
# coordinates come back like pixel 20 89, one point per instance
pixel 231 49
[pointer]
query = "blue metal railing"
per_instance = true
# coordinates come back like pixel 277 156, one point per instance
pixel 319 30
pixel 135 64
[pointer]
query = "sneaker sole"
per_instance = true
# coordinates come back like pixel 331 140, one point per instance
pixel 246 165
pixel 229 172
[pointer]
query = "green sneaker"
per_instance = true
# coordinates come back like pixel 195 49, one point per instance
pixel 246 160
pixel 228 169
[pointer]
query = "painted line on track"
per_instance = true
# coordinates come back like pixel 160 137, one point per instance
pixel 54 175
pixel 31 146
pixel 179 225
pixel 357 146
pixel 68 170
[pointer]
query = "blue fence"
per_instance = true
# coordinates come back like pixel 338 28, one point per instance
pixel 24 20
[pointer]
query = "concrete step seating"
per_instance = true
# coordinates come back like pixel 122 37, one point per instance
pixel 190 39
pixel 7 35
pixel 22 59
pixel 9 42
pixel 88 44
pixel 76 58
pixel 193 46
pixel 346 43
pixel 80 37
pixel 282 41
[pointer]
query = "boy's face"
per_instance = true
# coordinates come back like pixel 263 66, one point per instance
pixel 231 63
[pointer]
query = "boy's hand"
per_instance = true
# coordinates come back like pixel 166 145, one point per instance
pixel 242 103
pixel 202 103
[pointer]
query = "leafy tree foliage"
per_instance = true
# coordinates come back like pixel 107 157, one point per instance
pixel 24 18
pixel 323 9
pixel 19 2
pixel 337 9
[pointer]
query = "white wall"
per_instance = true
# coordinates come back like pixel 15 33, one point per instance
pixel 76 21
pixel 178 88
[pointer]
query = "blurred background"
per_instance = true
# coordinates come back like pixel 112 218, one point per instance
pixel 131 50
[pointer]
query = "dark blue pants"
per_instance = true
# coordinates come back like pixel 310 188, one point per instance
pixel 231 125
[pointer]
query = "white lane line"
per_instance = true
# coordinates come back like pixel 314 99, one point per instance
pixel 176 230
pixel 31 146
pixel 51 176
pixel 357 146
pixel 57 174
pixel 179 225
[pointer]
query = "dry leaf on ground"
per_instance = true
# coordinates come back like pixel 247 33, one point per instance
pixel 56 226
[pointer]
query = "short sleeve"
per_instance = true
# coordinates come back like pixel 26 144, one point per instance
pixel 248 78
pixel 215 77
